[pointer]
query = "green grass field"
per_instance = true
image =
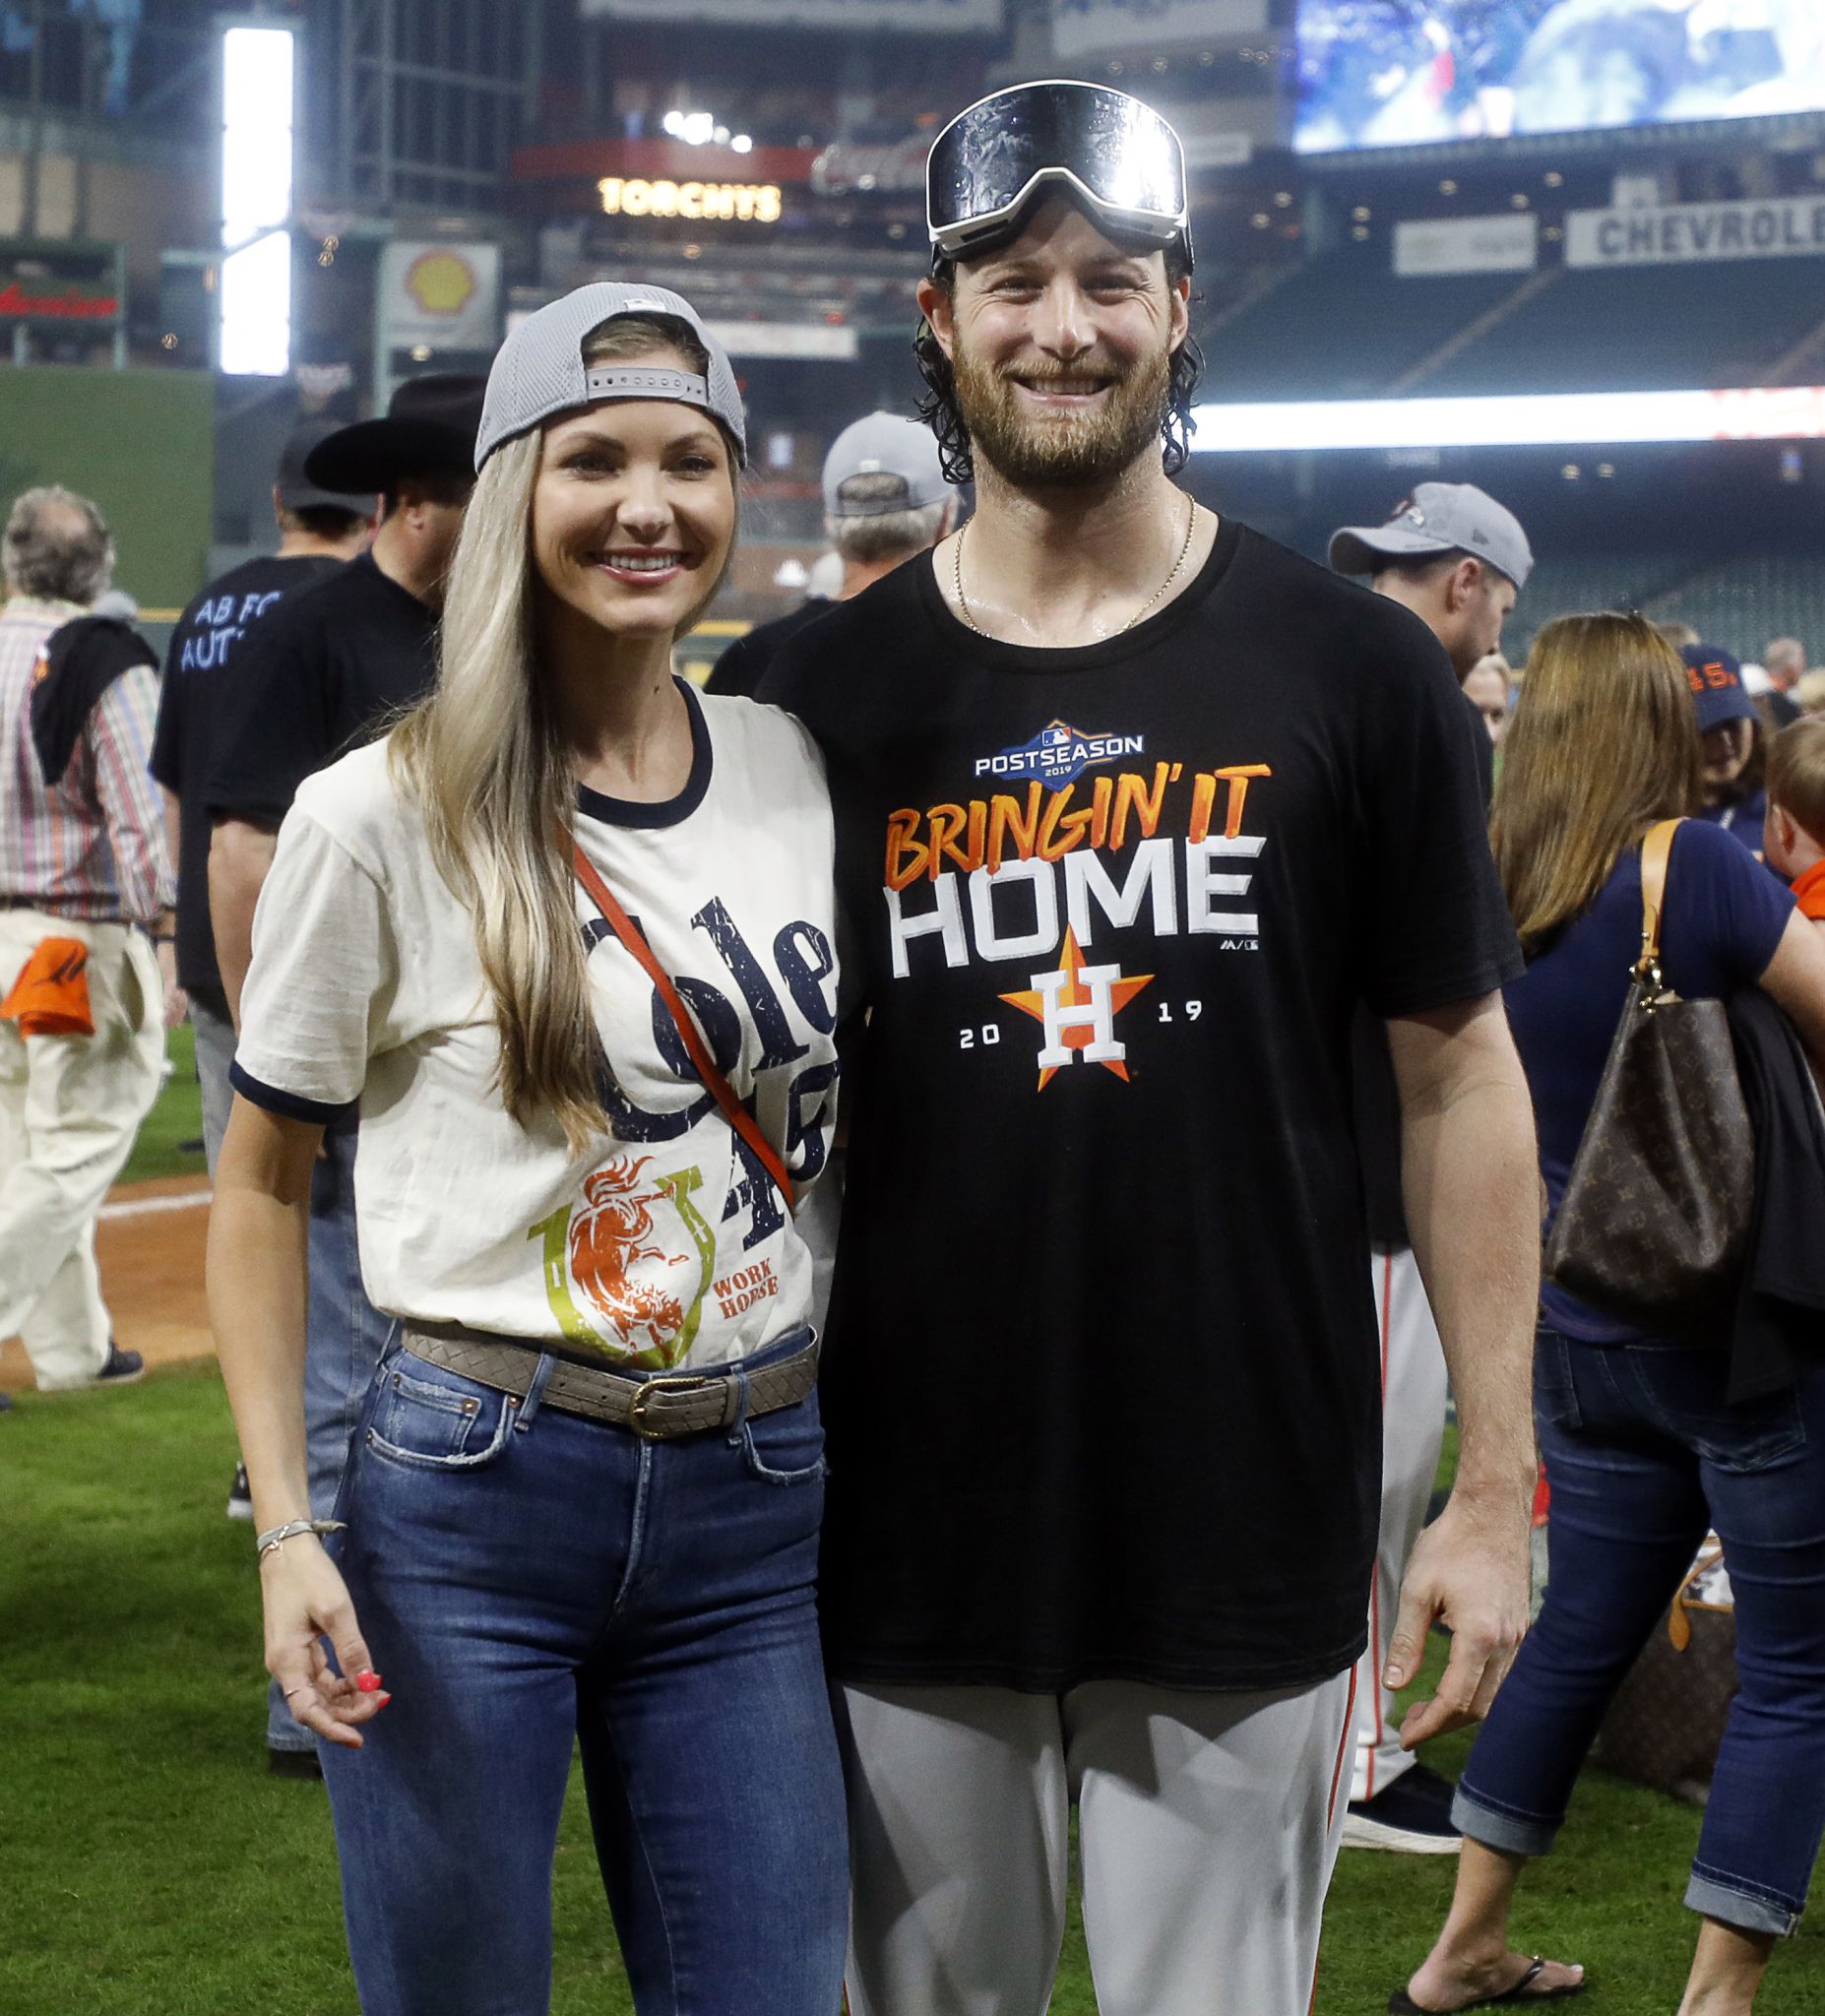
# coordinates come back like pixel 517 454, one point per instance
pixel 152 1868
pixel 171 1142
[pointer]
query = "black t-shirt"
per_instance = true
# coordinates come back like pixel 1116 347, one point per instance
pixel 321 674
pixel 744 666
pixel 1102 1385
pixel 1377 1097
pixel 208 635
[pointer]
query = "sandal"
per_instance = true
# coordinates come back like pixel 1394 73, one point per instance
pixel 1401 2003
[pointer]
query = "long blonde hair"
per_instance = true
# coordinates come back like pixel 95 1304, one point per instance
pixel 484 760
pixel 1602 743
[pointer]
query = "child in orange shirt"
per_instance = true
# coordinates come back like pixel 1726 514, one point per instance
pixel 1794 833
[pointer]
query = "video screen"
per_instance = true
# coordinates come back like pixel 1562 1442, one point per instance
pixel 1394 72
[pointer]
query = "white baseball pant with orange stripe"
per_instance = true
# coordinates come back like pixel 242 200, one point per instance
pixel 1208 1828
pixel 1413 1390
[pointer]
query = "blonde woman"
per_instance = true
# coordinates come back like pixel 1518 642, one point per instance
pixel 567 936
pixel 1644 1450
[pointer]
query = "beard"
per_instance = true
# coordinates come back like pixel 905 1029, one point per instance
pixel 1064 451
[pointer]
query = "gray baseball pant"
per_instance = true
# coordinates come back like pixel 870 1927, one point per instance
pixel 1414 1390
pixel 1208 1828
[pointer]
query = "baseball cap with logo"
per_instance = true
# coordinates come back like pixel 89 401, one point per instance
pixel 1715 677
pixel 296 491
pixel 883 444
pixel 540 372
pixel 1437 519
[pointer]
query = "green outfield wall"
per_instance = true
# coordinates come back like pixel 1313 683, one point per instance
pixel 139 443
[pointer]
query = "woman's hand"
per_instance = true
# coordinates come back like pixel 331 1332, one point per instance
pixel 306 1601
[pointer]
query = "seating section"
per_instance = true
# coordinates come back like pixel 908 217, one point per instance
pixel 1652 327
pixel 1649 328
pixel 1740 604
pixel 1302 341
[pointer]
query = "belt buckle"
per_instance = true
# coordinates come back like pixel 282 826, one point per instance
pixel 658 1432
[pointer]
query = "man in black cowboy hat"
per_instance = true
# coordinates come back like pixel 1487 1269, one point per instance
pixel 321 673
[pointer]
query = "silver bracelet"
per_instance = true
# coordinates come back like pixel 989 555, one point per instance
pixel 273 1539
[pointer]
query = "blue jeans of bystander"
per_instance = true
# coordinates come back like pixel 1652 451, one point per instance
pixel 1644 1456
pixel 524 1578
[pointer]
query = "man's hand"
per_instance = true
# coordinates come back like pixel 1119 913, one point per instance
pixel 1471 1571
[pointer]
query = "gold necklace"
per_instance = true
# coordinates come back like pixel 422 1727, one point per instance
pixel 963 602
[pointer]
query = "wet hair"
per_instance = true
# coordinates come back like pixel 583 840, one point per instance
pixel 941 412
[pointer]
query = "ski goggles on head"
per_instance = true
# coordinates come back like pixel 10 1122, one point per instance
pixel 1116 155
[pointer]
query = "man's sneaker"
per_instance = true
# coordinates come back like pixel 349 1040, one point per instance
pixel 240 1496
pixel 1411 1816
pixel 123 1367
pixel 6 1403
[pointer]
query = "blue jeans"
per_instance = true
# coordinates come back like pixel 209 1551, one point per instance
pixel 525 1578
pixel 344 1335
pixel 1643 1456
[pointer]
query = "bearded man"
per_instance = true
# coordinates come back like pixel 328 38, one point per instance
pixel 1134 806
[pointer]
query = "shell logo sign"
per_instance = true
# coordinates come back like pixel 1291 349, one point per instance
pixel 441 282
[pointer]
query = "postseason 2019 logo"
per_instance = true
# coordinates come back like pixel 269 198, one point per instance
pixel 1058 754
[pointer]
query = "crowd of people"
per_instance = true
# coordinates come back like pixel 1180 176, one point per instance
pixel 1219 960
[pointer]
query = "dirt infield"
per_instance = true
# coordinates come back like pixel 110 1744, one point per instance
pixel 149 1246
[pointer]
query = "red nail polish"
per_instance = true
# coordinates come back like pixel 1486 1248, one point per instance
pixel 367 1681
pixel 384 1699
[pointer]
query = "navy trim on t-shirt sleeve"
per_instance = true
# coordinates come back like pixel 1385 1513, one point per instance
pixel 287 1105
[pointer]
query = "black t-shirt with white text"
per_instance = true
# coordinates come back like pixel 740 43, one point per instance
pixel 1100 1387
pixel 208 635
pixel 325 673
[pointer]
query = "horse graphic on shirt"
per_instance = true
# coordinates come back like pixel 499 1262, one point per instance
pixel 609 1257
pixel 608 1237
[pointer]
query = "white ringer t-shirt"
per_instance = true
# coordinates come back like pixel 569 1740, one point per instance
pixel 666 1243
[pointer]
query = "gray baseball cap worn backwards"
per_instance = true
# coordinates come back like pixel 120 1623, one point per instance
pixel 884 445
pixel 1438 518
pixel 540 371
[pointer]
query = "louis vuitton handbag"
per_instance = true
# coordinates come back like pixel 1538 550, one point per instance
pixel 1655 1225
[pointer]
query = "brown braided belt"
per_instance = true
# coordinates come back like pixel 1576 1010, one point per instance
pixel 659 1408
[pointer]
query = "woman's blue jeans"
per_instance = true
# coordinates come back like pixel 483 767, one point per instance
pixel 1644 1456
pixel 526 1577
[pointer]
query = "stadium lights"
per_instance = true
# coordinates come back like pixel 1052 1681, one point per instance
pixel 1568 420
pixel 257 82
pixel 700 129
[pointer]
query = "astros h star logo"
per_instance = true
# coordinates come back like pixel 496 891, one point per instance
pixel 1078 1006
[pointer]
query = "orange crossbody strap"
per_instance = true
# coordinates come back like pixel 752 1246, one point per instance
pixel 719 1086
pixel 1656 852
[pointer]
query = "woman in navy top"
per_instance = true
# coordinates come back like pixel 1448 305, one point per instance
pixel 1642 1452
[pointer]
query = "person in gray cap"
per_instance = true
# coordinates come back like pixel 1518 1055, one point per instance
pixel 1456 559
pixel 885 499
pixel 584 1497
pixel 1454 556
pixel 1133 808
